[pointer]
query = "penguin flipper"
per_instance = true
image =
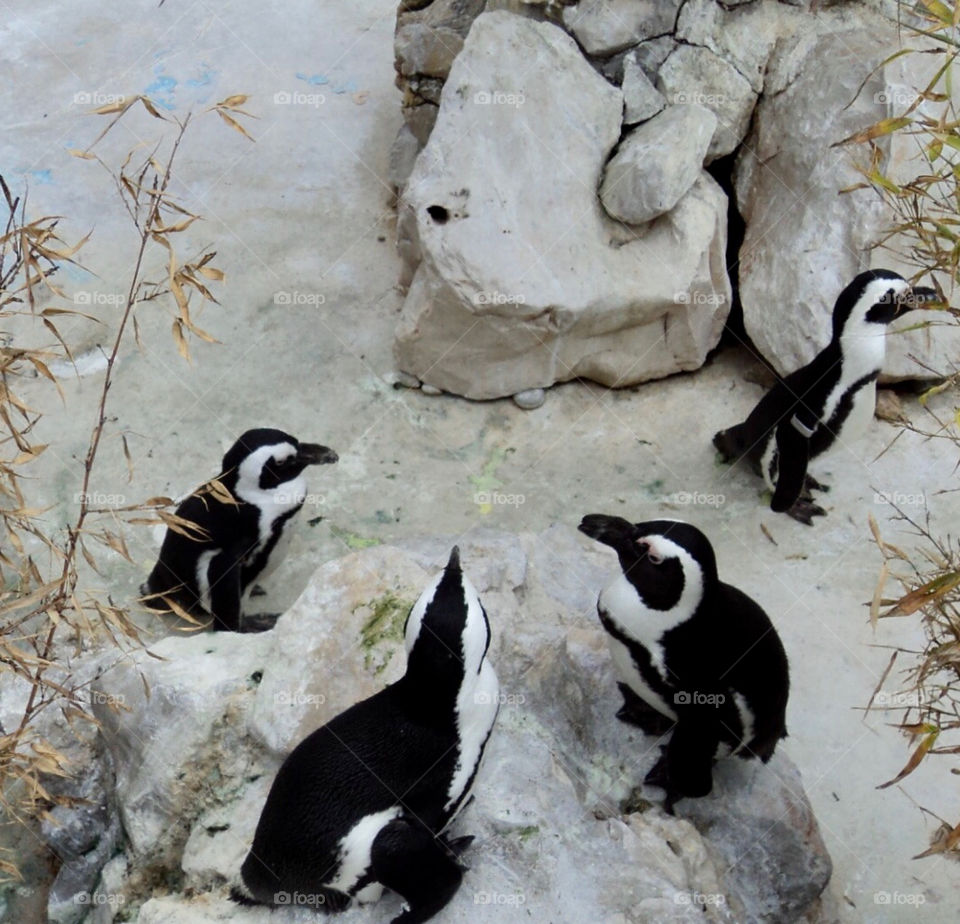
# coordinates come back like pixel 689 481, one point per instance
pixel 226 594
pixel 408 859
pixel 793 453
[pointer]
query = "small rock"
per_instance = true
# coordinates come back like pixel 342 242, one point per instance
pixel 403 153
pixel 421 49
pixel 657 164
pixel 693 74
pixel 405 380
pixel 603 27
pixel 530 399
pixel 889 406
pixel 430 389
pixel 641 99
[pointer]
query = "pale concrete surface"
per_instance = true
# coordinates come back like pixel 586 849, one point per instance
pixel 302 211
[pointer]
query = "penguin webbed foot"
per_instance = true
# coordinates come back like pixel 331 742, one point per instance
pixel 659 776
pixel 257 622
pixel 458 845
pixel 803 510
pixel 257 591
pixel 811 484
pixel 640 714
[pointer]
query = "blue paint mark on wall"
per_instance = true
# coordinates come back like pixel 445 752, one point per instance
pixel 349 87
pixel 38 177
pixel 315 80
pixel 162 89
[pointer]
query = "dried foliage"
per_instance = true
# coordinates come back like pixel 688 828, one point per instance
pixel 925 233
pixel 41 601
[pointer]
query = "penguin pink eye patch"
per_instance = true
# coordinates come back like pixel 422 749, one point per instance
pixel 645 547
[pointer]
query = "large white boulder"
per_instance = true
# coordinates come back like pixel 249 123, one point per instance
pixel 521 279
pixel 805 240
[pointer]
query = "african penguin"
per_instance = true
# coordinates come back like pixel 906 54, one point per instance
pixel 830 399
pixel 692 653
pixel 365 801
pixel 213 569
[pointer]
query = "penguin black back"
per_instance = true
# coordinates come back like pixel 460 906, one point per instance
pixel 692 653
pixel 237 533
pixel 830 398
pixel 364 802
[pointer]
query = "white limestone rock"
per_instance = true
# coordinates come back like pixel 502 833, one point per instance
pixel 522 283
pixel 657 163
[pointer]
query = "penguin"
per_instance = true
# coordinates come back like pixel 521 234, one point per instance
pixel 692 654
pixel 829 400
pixel 366 801
pixel 212 568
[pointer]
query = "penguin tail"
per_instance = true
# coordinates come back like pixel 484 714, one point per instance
pixel 730 443
pixel 242 898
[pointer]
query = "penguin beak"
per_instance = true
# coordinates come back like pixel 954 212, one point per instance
pixel 612 531
pixel 918 297
pixel 314 454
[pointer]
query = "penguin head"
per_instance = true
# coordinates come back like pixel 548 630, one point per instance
pixel 447 633
pixel 873 300
pixel 668 562
pixel 267 462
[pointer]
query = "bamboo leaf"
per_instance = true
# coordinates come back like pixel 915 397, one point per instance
pixel 916 757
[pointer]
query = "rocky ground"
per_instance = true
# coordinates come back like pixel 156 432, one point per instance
pixel 306 212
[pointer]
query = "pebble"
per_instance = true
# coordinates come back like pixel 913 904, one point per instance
pixel 530 399
pixel 431 389
pixel 405 380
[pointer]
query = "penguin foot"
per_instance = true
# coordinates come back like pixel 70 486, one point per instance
pixel 257 591
pixel 659 776
pixel 804 510
pixel 258 622
pixel 811 484
pixel 458 845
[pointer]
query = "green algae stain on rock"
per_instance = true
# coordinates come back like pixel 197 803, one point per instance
pixel 388 613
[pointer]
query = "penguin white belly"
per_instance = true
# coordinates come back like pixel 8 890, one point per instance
pixel 627 671
pixel 858 420
pixel 477 707
pixel 203 577
pixel 278 553
pixel 355 848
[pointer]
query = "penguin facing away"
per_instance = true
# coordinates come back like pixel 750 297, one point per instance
pixel 237 540
pixel 692 653
pixel 830 400
pixel 365 801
